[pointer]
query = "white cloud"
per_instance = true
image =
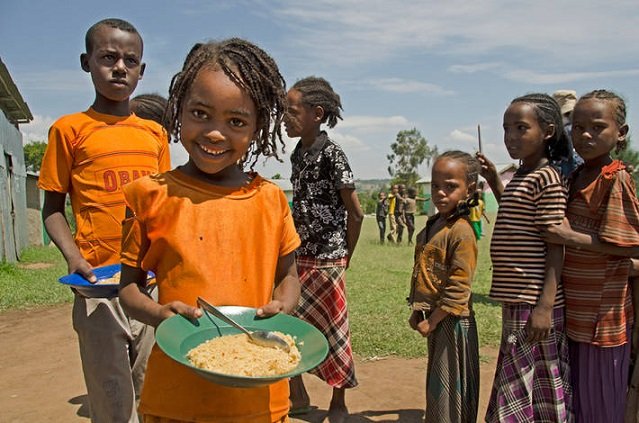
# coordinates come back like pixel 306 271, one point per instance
pixel 373 122
pixel 460 136
pixel 348 142
pixel 359 33
pixel 475 67
pixel 533 77
pixel 406 86
pixel 37 129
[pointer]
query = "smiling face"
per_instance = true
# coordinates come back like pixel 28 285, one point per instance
pixel 595 132
pixel 449 185
pixel 115 64
pixel 524 138
pixel 218 122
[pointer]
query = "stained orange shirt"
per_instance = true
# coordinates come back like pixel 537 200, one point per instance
pixel 219 243
pixel 91 156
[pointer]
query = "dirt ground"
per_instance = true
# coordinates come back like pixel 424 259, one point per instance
pixel 41 379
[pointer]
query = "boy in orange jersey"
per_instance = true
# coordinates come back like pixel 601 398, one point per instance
pixel 90 156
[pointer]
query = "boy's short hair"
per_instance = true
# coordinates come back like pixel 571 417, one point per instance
pixel 111 23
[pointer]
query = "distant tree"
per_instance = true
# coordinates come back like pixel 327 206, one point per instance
pixel 33 154
pixel 367 201
pixel 409 150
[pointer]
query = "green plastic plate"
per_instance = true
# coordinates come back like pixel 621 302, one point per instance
pixel 177 335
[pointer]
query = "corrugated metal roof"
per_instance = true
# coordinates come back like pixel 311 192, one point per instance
pixel 11 102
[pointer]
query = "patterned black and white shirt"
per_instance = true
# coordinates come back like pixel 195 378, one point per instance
pixel 319 213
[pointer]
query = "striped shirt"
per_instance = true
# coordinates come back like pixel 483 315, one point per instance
pixel 598 300
pixel 518 252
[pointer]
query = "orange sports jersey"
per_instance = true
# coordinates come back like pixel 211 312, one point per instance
pixel 91 156
pixel 224 245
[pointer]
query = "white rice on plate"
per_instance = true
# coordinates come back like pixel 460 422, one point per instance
pixel 236 355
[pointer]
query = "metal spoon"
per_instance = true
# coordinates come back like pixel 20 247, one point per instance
pixel 264 338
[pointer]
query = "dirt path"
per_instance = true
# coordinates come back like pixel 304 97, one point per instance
pixel 42 381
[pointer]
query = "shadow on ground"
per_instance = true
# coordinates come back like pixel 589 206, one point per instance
pixel 383 416
pixel 83 402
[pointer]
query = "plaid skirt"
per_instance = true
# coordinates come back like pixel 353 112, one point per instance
pixel 323 304
pixel 532 381
pixel 452 377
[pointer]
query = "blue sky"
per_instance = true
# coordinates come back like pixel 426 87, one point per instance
pixel 441 67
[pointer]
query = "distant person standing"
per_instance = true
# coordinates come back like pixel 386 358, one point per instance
pixel 477 211
pixel 410 208
pixel 381 211
pixel 567 100
pixel 328 217
pixel 392 223
pixel 400 206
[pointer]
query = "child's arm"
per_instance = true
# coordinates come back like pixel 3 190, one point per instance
pixel 354 219
pixel 489 172
pixel 563 234
pixel 55 222
pixel 286 294
pixel 137 303
pixel 540 320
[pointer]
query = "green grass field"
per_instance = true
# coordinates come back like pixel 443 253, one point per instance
pixel 377 285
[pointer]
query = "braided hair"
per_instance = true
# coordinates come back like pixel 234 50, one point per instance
pixel 318 92
pixel 111 23
pixel 149 106
pixel 473 168
pixel 253 71
pixel 620 109
pixel 548 113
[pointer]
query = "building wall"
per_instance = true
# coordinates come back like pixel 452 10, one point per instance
pixel 13 199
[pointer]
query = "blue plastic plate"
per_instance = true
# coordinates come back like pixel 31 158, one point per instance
pixel 91 290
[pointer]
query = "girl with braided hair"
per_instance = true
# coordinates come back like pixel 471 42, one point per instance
pixel 440 294
pixel 211 229
pixel 328 218
pixel 532 379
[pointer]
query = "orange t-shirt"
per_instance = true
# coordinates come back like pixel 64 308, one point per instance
pixel 91 156
pixel 222 244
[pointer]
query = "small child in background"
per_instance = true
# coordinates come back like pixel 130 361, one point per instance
pixel 532 378
pixel 400 217
pixel 381 211
pixel 478 211
pixel 600 233
pixel 328 218
pixel 210 229
pixel 392 223
pixel 410 208
pixel 149 106
pixel 440 296
pixel 90 157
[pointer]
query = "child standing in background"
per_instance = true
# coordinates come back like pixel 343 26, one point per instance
pixel 210 229
pixel 600 233
pixel 381 211
pixel 410 208
pixel 532 379
pixel 392 223
pixel 90 156
pixel 440 296
pixel 328 218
